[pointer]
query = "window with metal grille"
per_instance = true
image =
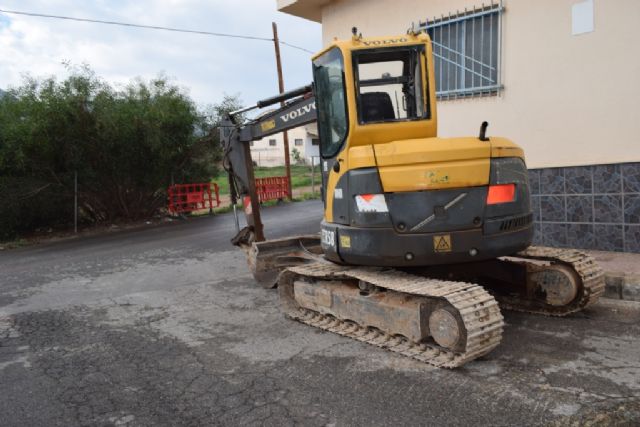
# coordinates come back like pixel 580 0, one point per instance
pixel 298 142
pixel 272 142
pixel 466 49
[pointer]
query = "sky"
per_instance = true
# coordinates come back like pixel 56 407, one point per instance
pixel 206 67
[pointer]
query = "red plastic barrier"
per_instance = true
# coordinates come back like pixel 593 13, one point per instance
pixel 272 188
pixel 192 197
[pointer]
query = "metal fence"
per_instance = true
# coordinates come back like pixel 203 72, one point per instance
pixel 467 47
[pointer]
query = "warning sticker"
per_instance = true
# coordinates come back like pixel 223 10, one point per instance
pixel 247 205
pixel 268 125
pixel 442 243
pixel 345 241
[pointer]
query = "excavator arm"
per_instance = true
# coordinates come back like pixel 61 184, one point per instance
pixel 297 108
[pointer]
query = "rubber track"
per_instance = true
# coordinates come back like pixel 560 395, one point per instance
pixel 480 312
pixel 583 264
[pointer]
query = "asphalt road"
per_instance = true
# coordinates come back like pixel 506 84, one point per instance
pixel 164 326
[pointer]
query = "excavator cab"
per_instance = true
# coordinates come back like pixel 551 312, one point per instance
pixel 359 85
pixel 394 193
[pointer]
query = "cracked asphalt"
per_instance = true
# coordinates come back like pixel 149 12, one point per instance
pixel 164 326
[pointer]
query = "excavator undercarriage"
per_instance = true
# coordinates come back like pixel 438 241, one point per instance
pixel 439 315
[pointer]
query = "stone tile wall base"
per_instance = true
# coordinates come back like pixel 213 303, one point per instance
pixel 587 207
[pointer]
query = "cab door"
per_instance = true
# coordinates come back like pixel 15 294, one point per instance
pixel 333 122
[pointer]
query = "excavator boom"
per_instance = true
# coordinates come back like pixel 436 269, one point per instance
pixel 299 110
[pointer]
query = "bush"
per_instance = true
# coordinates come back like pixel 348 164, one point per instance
pixel 125 145
pixel 297 157
pixel 31 203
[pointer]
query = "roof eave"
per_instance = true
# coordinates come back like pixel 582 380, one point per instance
pixel 307 9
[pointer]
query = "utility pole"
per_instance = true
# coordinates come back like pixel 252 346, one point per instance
pixel 75 202
pixel 285 135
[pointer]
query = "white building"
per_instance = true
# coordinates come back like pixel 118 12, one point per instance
pixel 303 140
pixel 558 77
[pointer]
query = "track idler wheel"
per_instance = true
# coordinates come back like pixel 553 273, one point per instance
pixel 446 328
pixel 557 284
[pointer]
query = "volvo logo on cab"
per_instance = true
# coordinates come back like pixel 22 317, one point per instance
pixel 384 42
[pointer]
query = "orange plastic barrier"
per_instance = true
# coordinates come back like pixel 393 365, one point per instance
pixel 272 188
pixel 192 197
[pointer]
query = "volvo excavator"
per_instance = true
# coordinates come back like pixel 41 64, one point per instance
pixel 424 239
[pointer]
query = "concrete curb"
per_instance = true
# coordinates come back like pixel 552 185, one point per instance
pixel 622 286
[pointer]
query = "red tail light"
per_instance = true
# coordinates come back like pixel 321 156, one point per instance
pixel 503 193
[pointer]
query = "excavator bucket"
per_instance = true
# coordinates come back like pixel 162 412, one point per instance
pixel 268 258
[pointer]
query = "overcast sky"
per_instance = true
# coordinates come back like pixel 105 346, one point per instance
pixel 206 66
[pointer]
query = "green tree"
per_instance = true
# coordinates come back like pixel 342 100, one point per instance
pixel 126 146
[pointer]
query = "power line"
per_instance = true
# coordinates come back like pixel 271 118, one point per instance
pixel 149 27
pixel 293 46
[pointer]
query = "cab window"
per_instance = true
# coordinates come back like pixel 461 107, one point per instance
pixel 328 75
pixel 389 84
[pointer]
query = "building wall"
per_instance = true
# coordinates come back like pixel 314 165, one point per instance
pixel 568 100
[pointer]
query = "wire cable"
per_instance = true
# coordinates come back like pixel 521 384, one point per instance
pixel 294 46
pixel 149 27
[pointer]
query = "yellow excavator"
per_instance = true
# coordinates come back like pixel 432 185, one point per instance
pixel 424 239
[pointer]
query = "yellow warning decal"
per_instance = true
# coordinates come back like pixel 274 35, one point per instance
pixel 345 241
pixel 442 243
pixel 268 125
